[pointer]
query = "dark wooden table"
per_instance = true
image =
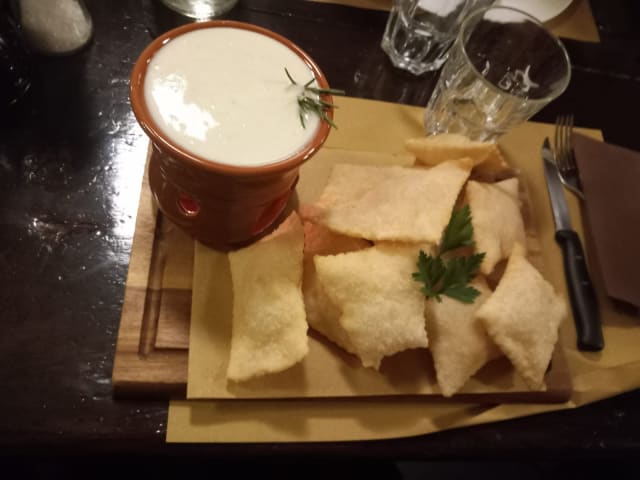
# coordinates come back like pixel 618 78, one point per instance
pixel 68 201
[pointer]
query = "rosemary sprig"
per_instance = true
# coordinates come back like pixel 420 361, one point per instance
pixel 309 103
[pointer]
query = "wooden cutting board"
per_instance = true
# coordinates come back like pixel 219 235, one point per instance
pixel 152 351
pixel 153 338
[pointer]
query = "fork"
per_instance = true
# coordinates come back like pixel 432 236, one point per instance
pixel 565 159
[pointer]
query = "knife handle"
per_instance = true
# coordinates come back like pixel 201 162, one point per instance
pixel 582 295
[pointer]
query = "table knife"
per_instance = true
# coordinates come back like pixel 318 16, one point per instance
pixel 584 302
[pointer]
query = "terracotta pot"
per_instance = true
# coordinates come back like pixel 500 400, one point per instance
pixel 224 206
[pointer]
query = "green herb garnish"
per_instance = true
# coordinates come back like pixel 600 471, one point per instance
pixel 459 231
pixel 309 100
pixel 451 276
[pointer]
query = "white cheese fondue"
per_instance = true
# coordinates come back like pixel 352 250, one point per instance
pixel 222 94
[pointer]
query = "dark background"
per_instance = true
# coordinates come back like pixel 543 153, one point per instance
pixel 71 159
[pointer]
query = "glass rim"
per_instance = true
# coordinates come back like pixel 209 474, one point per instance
pixel 480 12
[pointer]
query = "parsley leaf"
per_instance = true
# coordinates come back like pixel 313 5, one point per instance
pixel 460 271
pixel 451 277
pixel 430 272
pixel 459 231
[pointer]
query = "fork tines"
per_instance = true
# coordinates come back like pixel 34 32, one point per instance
pixel 564 156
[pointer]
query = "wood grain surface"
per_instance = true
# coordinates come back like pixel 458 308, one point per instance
pixel 151 357
pixel 151 352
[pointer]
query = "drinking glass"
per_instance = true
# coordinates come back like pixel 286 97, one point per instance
pixel 200 9
pixel 503 67
pixel 419 32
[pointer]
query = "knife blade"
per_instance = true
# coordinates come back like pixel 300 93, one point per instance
pixel 584 302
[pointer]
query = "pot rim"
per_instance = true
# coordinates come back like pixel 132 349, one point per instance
pixel 155 133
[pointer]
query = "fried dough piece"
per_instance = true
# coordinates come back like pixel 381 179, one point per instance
pixel 496 219
pixel 269 330
pixel 392 203
pixel 435 149
pixel 458 341
pixel 522 316
pixel 382 308
pixel 322 315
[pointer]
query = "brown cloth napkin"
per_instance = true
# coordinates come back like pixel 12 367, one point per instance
pixel 610 178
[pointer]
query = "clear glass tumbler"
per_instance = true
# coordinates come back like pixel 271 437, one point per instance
pixel 419 32
pixel 503 67
pixel 200 9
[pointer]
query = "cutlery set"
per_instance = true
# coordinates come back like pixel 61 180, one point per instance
pixel 560 169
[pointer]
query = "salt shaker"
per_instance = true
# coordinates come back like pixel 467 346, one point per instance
pixel 56 27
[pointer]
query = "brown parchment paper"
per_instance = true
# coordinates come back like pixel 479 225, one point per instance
pixel 328 371
pixel 576 22
pixel 368 125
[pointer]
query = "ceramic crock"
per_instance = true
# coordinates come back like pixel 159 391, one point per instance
pixel 223 206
